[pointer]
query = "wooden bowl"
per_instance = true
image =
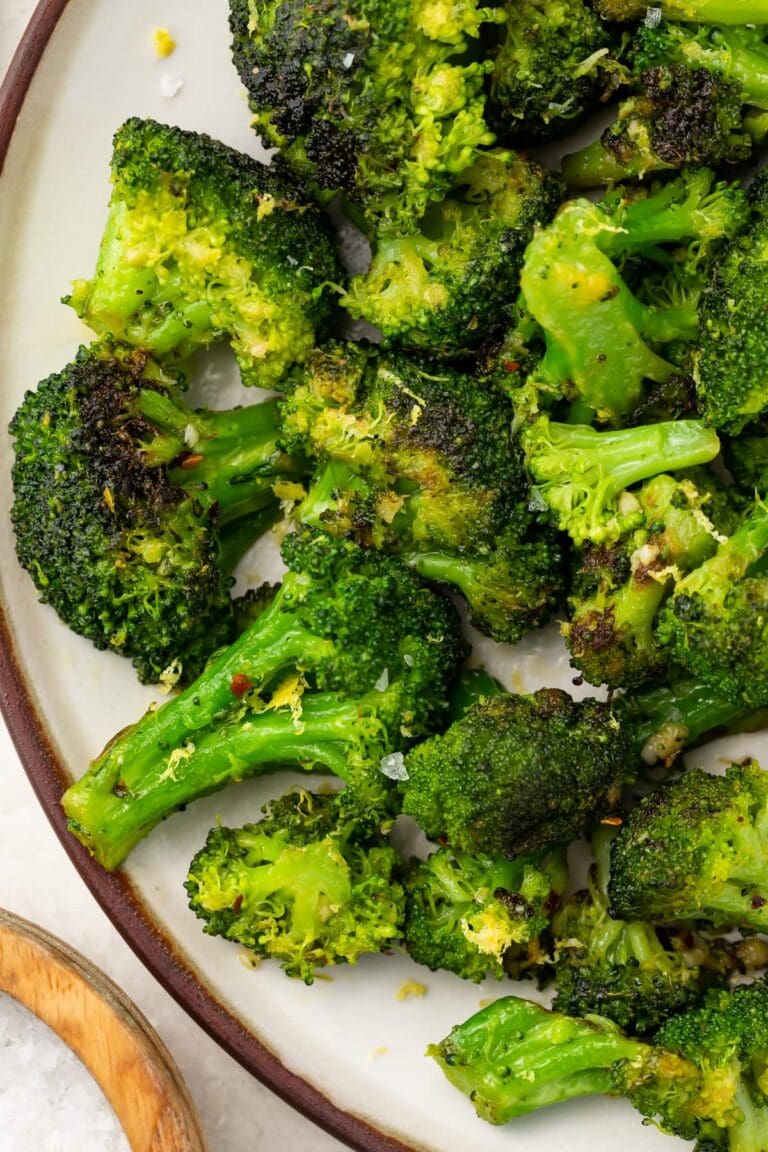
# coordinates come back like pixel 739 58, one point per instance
pixel 99 1023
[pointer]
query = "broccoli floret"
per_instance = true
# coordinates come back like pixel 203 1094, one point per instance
pixel 553 67
pixel 519 773
pixel 714 624
pixel 202 243
pixel 351 662
pixel 418 460
pixel 602 341
pixel 131 510
pixel 746 457
pixel 710 11
pixel 449 287
pixel 479 915
pixel 619 588
pixel 730 362
pixel 308 885
pixel 695 849
pixel 582 476
pixel 702 1078
pixel 619 969
pixel 383 102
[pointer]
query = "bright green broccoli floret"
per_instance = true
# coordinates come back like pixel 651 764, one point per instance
pixel 519 773
pixel 131 510
pixel 382 101
pixel 602 341
pixel 308 885
pixel 552 68
pixel 477 915
pixel 203 243
pixel 418 460
pixel 619 969
pixel 695 849
pixel 704 1077
pixel 619 588
pixel 582 476
pixel 715 624
pixel 351 661
pixel 450 286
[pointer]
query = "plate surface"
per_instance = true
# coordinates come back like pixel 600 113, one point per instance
pixel 345 1051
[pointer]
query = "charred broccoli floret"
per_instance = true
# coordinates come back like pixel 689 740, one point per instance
pixel 702 1078
pixel 715 623
pixel 131 510
pixel 202 243
pixel 695 849
pixel 383 102
pixel 309 885
pixel 619 969
pixel 619 588
pixel 603 342
pixel 351 661
pixel 582 476
pixel 449 287
pixel 477 915
pixel 418 460
pixel 553 67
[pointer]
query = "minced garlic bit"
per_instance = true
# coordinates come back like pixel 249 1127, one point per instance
pixel 162 42
pixel 411 990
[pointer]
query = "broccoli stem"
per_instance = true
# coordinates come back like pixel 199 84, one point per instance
pixel 515 1056
pixel 594 165
pixel 733 559
pixel 692 11
pixel 229 459
pixel 673 716
pixel 115 805
pixel 681 209
pixel 237 537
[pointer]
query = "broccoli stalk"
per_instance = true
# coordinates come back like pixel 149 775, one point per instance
pixel 582 475
pixel 323 678
pixel 694 850
pixel 602 341
pixel 713 623
pixel 708 11
pixel 618 969
pixel 202 244
pixel 308 885
pixel 131 510
pixel 477 915
pixel 702 1078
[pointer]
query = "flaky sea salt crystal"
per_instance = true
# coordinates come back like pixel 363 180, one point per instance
pixel 170 86
pixel 48 1100
pixel 393 766
pixel 652 18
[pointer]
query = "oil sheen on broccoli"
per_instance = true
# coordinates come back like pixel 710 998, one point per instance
pixel 131 510
pixel 203 243
pixel 351 661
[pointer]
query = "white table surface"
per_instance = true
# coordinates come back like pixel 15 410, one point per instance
pixel 38 882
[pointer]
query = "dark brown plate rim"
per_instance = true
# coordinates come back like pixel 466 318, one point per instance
pixel 38 756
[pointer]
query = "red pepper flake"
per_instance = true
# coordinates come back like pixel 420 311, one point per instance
pixel 759 902
pixel 239 685
pixel 612 821
pixel 237 904
pixel 511 365
pixel 192 460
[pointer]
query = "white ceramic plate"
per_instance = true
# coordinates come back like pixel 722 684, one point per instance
pixel 346 1050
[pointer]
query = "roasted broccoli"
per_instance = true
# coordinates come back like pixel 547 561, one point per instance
pixel 553 67
pixel 582 476
pixel 603 341
pixel 516 774
pixel 309 885
pixel 623 970
pixel 710 11
pixel 695 850
pixel 383 102
pixel 702 1078
pixel 131 510
pixel 203 243
pixel 715 623
pixel 619 588
pixel 693 85
pixel 450 286
pixel 351 661
pixel 477 915
pixel 418 459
